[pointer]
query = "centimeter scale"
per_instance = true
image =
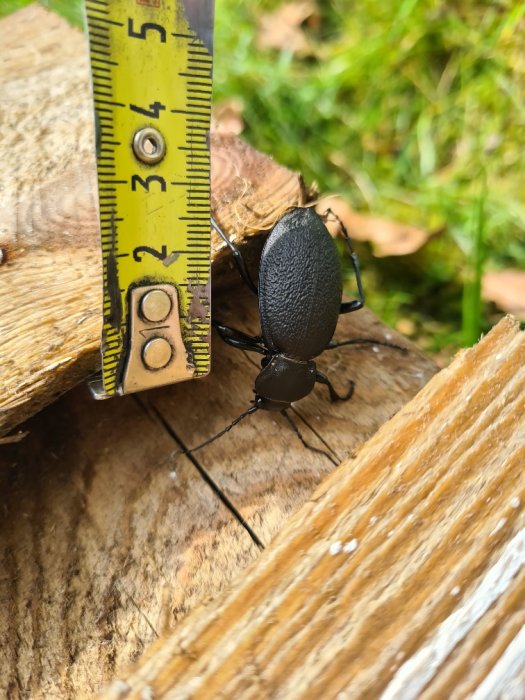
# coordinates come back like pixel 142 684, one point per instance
pixel 151 64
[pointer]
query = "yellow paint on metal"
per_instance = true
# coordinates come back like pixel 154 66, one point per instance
pixel 150 70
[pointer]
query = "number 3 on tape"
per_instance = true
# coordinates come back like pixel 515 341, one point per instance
pixel 151 65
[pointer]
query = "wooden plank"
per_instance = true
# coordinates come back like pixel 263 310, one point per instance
pixel 50 268
pixel 107 538
pixel 402 576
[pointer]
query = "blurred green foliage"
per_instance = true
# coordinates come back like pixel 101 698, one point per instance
pixel 413 110
pixel 72 10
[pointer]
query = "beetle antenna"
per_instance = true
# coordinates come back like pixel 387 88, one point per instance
pixel 234 422
pixel 237 257
pixel 303 441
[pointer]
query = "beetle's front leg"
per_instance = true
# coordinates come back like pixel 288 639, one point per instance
pixel 356 304
pixel 321 378
pixel 238 339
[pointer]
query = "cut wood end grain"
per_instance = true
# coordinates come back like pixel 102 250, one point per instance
pixel 402 577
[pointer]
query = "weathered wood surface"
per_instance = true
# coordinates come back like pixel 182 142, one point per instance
pixel 50 268
pixel 107 541
pixel 402 576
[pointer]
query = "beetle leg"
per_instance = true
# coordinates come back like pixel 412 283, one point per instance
pixel 303 441
pixel 238 339
pixel 237 257
pixel 356 304
pixel 320 378
pixel 364 341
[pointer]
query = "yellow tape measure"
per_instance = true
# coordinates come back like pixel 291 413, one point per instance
pixel 151 63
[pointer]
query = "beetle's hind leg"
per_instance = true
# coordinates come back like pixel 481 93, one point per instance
pixel 237 257
pixel 303 441
pixel 238 339
pixel 356 304
pixel 321 378
pixel 364 341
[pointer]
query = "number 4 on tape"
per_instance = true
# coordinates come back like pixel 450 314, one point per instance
pixel 151 65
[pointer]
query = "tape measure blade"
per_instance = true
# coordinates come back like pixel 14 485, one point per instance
pixel 151 64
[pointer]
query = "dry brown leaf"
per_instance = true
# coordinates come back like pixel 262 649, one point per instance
pixel 387 237
pixel 507 290
pixel 282 29
pixel 227 116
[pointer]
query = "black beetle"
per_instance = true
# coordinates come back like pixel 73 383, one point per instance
pixel 300 299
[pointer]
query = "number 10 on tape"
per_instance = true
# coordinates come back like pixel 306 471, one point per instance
pixel 151 66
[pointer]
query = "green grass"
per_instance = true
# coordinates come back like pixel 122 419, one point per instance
pixel 412 110
pixel 72 10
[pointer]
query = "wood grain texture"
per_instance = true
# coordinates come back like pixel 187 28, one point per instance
pixel 109 536
pixel 50 277
pixel 402 577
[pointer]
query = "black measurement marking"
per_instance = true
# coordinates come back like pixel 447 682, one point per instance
pixel 99 52
pixel 94 59
pixel 144 28
pixel 153 111
pixel 140 251
pixel 196 75
pixel 199 61
pixel 137 180
pixel 200 52
pixel 109 102
pixel 103 19
pixel 193 98
pixel 183 36
pixel 184 111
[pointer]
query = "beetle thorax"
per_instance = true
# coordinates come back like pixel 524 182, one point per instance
pixel 282 381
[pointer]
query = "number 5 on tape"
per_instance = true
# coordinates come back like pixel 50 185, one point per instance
pixel 151 65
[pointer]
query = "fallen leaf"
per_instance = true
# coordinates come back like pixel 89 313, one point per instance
pixel 282 29
pixel 507 290
pixel 227 116
pixel 387 237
